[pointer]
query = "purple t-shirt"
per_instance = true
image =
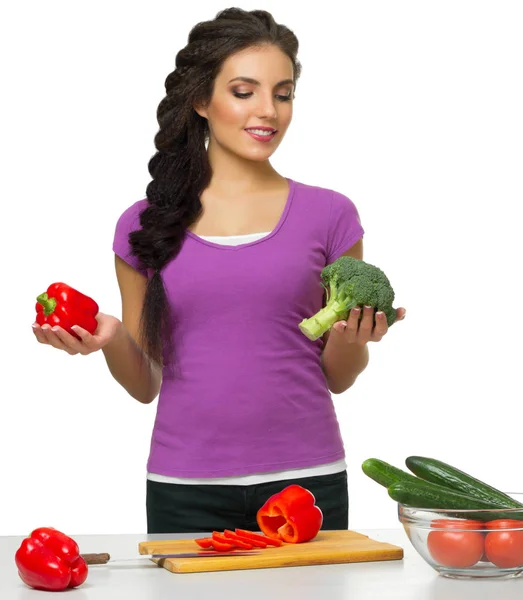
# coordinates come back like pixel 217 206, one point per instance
pixel 248 394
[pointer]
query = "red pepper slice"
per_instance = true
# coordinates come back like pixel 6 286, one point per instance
pixel 219 537
pixel 291 515
pixel 221 546
pixel 64 306
pixel 256 543
pixel 232 538
pixel 50 560
pixel 256 538
pixel 223 539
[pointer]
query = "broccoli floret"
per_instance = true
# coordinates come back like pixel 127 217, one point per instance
pixel 350 282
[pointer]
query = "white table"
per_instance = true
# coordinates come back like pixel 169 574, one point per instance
pixel 140 579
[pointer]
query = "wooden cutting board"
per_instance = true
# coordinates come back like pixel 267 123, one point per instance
pixel 328 547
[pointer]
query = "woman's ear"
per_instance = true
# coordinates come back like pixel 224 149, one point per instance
pixel 201 110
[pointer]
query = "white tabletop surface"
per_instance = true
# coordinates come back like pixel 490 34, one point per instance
pixel 140 579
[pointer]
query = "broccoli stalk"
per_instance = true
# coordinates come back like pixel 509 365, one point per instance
pixel 336 309
pixel 350 282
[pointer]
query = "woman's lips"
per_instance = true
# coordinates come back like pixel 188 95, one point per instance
pixel 262 137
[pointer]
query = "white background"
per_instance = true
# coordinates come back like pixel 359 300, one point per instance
pixel 412 109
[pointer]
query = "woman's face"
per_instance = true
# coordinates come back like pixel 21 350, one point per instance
pixel 253 90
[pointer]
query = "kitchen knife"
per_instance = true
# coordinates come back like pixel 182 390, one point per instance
pixel 104 557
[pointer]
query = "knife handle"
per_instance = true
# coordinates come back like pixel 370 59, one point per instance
pixel 96 559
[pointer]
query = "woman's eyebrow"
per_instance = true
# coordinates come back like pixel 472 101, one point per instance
pixel 256 82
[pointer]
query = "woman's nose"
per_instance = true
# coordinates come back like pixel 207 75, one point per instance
pixel 266 107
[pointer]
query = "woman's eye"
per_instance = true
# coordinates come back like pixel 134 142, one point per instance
pixel 245 95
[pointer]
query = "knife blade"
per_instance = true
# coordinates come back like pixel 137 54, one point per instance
pixel 197 554
pixel 103 558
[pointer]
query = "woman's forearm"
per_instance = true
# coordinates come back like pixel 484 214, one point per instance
pixel 131 368
pixel 342 363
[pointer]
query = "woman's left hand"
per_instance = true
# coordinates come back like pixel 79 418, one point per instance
pixel 370 328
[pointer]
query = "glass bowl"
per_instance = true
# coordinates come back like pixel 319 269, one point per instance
pixel 467 544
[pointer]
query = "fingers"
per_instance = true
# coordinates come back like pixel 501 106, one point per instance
pixel 381 327
pixel 39 334
pixel 365 325
pixel 83 334
pixel 371 327
pixel 353 322
pixel 56 337
pixel 400 314
pixel 357 327
pixel 70 341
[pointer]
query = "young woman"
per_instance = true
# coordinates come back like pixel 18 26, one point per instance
pixel 216 268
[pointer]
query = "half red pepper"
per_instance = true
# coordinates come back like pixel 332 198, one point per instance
pixel 291 515
pixel 50 560
pixel 63 306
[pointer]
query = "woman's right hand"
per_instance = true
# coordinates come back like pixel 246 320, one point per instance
pixel 108 327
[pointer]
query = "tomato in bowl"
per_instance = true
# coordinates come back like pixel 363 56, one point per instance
pixel 467 543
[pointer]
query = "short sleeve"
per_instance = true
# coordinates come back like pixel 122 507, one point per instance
pixel 128 221
pixel 345 228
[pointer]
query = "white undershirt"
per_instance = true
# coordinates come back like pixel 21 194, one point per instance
pixel 327 469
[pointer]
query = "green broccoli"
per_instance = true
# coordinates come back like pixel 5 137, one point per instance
pixel 350 282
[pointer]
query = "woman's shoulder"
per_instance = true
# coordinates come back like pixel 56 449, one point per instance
pixel 131 214
pixel 327 196
pixel 319 192
pixel 127 222
pixel 335 214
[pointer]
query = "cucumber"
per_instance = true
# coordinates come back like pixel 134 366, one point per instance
pixel 384 473
pixel 436 471
pixel 423 494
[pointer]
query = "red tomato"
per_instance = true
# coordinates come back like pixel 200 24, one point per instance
pixel 505 548
pixel 452 547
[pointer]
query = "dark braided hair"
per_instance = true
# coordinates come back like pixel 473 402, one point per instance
pixel 180 169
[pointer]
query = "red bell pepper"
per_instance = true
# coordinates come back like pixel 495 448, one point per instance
pixel 291 515
pixel 50 560
pixel 64 306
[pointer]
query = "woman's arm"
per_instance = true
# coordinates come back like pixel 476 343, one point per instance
pixel 346 354
pixel 125 358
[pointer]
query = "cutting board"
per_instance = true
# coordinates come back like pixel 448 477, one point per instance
pixel 328 547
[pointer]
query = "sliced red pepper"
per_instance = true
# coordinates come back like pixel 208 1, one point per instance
pixel 255 543
pixel 219 537
pixel 204 542
pixel 256 538
pixel 221 546
pixel 231 537
pixel 63 306
pixel 223 539
pixel 291 515
pixel 50 560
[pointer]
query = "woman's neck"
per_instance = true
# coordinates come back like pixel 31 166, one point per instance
pixel 236 175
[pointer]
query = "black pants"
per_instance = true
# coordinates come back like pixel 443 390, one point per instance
pixel 179 508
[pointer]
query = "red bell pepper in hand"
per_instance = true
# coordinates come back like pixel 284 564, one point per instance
pixel 64 306
pixel 290 515
pixel 50 560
